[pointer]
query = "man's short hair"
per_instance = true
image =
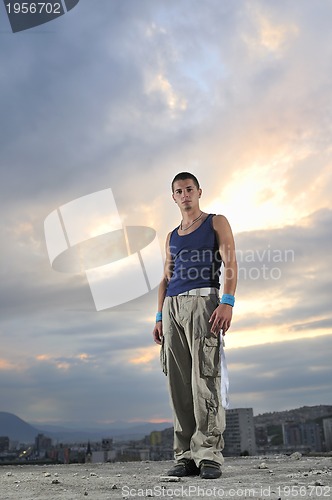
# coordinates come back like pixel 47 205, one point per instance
pixel 183 176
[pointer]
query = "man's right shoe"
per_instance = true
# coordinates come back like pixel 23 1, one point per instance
pixel 184 467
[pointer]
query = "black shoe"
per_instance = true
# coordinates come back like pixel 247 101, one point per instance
pixel 184 467
pixel 209 469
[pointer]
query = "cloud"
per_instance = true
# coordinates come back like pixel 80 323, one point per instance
pixel 84 389
pixel 287 374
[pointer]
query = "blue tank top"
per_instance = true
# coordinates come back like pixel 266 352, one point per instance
pixel 196 259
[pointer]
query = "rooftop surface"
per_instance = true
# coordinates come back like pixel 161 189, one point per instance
pixel 263 478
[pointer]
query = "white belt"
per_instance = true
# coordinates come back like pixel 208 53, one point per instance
pixel 201 292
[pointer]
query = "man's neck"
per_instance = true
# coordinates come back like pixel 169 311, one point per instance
pixel 189 215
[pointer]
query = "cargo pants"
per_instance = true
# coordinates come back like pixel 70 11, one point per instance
pixel 190 357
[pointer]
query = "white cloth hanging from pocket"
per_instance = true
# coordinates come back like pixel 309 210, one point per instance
pixel 224 376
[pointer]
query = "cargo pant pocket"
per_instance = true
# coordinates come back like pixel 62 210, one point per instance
pixel 163 358
pixel 210 357
pixel 212 413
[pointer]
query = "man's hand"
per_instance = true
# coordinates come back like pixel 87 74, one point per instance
pixel 221 319
pixel 158 333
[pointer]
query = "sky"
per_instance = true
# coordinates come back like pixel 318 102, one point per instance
pixel 124 95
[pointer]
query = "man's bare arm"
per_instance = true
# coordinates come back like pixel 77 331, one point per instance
pixel 222 315
pixel 168 268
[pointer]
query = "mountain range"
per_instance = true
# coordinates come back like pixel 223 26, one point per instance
pixel 17 429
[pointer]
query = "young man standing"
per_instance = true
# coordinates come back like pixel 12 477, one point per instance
pixel 189 320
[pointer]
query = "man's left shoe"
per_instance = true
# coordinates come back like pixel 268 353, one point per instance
pixel 209 469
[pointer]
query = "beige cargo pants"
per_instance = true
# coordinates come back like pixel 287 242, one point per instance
pixel 190 356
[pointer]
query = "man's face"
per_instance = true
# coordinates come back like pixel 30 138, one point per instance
pixel 186 194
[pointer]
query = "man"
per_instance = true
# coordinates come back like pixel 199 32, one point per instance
pixel 188 323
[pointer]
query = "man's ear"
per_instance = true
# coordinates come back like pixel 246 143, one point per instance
pixel 199 192
pixel 174 198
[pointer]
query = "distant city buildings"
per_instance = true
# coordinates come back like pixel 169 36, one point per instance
pixel 42 445
pixel 327 426
pixel 100 454
pixel 4 444
pixel 239 435
pixel 304 436
pixel 307 429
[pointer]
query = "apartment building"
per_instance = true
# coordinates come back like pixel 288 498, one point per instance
pixel 239 435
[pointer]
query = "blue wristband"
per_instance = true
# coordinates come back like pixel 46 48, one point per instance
pixel 158 316
pixel 227 299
